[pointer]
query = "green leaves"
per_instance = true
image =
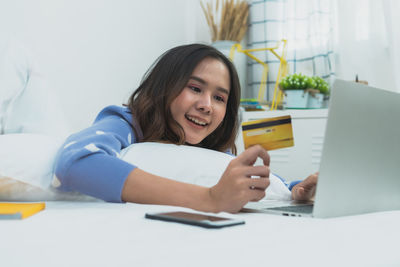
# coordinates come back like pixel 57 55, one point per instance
pixel 303 82
pixel 321 85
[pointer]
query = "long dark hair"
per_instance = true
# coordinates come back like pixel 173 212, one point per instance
pixel 163 82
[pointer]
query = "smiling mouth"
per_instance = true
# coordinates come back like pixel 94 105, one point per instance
pixel 196 121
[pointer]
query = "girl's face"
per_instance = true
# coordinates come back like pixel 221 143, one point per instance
pixel 201 106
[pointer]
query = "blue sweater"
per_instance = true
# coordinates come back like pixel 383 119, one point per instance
pixel 89 161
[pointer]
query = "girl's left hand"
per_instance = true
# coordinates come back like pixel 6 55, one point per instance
pixel 305 190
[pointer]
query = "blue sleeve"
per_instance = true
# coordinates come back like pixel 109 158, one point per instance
pixel 89 161
pixel 289 185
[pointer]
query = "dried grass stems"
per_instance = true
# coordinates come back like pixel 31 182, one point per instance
pixel 227 19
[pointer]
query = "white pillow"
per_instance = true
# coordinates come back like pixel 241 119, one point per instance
pixel 13 77
pixel 27 168
pixel 191 165
pixel 29 158
pixel 27 103
pixel 36 110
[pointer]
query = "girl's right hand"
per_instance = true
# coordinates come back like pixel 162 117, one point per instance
pixel 236 186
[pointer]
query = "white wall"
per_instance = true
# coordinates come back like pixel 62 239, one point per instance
pixel 95 52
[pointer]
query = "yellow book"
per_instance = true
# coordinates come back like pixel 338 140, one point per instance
pixel 13 210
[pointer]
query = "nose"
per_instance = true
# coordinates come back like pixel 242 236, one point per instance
pixel 204 103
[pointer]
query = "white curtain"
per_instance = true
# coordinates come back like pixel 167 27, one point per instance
pixel 307 25
pixel 367 41
pixel 391 13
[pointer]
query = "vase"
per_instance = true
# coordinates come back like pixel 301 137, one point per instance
pixel 296 99
pixel 239 61
pixel 315 100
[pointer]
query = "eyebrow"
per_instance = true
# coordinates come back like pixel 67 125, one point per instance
pixel 222 90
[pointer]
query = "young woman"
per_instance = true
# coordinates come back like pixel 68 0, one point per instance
pixel 190 96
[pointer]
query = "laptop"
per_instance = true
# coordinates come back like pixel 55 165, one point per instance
pixel 360 162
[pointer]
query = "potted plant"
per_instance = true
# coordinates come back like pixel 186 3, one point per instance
pixel 302 91
pixel 295 89
pixel 317 95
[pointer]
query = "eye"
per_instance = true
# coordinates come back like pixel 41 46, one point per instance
pixel 219 98
pixel 194 88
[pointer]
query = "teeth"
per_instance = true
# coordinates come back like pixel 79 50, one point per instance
pixel 196 121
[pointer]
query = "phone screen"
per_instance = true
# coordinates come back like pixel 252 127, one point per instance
pixel 198 219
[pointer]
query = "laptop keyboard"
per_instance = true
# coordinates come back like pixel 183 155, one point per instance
pixel 298 209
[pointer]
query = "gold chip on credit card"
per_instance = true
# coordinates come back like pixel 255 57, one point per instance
pixel 271 133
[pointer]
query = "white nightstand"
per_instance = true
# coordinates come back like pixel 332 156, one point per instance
pixel 308 131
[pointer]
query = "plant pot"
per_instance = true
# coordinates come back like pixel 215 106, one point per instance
pixel 315 100
pixel 296 98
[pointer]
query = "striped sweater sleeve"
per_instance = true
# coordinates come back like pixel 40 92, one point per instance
pixel 89 161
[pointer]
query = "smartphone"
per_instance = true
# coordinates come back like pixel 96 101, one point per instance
pixel 197 219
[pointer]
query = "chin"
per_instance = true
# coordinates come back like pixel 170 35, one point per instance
pixel 194 141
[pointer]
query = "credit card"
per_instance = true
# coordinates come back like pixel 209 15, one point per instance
pixel 270 133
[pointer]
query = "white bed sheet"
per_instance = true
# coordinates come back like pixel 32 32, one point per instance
pixel 107 234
